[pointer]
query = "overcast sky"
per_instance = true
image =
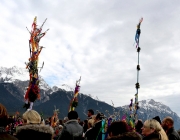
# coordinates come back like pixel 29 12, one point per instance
pixel 94 39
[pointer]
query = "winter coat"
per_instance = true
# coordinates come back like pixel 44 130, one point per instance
pixel 5 136
pixel 34 132
pixel 96 130
pixel 89 134
pixel 71 131
pixel 173 134
pixel 152 136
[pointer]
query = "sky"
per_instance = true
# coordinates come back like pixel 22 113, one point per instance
pixel 94 39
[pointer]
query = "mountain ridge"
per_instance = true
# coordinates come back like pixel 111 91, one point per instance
pixel 13 87
pixel 152 109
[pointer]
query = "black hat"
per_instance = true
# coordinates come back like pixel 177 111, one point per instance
pixel 157 118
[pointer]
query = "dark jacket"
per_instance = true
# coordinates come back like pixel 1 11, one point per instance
pixel 5 136
pixel 71 131
pixel 34 132
pixel 152 136
pixel 173 134
pixel 89 134
pixel 126 136
pixel 97 133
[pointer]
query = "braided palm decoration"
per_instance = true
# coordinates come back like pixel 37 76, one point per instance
pixel 33 90
pixel 74 101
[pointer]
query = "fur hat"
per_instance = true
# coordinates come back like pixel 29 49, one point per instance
pixel 32 117
pixel 157 118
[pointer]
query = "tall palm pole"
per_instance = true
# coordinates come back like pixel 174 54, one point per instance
pixel 137 85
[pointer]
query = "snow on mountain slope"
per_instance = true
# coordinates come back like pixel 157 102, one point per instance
pixel 14 74
pixel 152 105
pixel 150 108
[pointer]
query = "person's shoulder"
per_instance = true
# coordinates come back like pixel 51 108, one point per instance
pixel 173 132
pixel 71 121
pixel 174 136
pixel 6 136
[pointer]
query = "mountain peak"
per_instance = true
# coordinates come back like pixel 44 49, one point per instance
pixel 151 108
pixel 55 88
pixel 43 84
pixel 151 101
pixel 13 74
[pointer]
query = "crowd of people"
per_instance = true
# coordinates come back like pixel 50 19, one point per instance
pixel 31 126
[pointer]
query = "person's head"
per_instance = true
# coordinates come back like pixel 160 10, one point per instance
pixel 167 123
pixel 117 128
pixel 72 115
pixel 157 118
pixel 19 120
pixel 60 127
pixel 85 122
pixel 3 116
pixel 90 123
pixel 79 120
pixel 32 117
pixel 60 122
pixel 138 126
pixel 81 123
pixel 99 117
pixel 151 126
pixel 90 113
pixel 127 136
pixel 47 122
pixel 65 119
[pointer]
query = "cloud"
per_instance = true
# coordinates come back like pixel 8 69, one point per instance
pixel 94 39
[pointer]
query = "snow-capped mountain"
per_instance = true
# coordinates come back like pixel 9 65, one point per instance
pixel 150 108
pixel 13 74
pixel 19 77
pixel 43 85
pixel 14 82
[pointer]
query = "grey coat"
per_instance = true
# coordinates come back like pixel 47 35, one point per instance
pixel 71 131
pixel 173 134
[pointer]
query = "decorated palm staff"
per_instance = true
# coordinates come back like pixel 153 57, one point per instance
pixel 130 118
pixel 116 115
pixel 138 32
pixel 33 91
pixel 131 108
pixel 74 101
pixel 137 85
pixel 113 107
pixel 54 118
